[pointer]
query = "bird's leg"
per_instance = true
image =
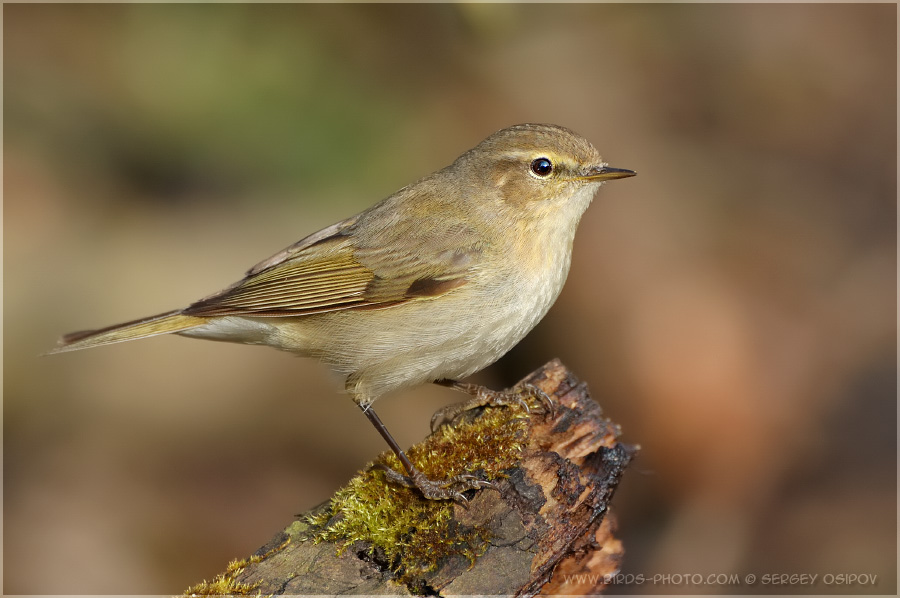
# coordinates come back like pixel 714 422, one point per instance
pixel 451 488
pixel 483 396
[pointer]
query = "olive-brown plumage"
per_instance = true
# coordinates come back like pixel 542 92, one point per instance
pixel 435 282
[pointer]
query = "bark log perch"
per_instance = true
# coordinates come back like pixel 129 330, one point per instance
pixel 547 530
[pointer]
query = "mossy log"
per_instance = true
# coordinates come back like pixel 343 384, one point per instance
pixel 547 530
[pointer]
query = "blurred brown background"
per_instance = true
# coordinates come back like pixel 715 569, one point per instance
pixel 733 307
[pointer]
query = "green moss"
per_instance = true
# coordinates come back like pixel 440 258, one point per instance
pixel 224 584
pixel 402 528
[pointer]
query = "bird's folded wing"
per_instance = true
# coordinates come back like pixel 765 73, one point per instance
pixel 326 272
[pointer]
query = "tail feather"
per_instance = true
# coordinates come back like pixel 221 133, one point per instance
pixel 169 322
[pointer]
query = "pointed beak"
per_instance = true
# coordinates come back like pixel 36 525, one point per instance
pixel 606 173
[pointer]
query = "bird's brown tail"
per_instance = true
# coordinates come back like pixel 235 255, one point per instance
pixel 173 321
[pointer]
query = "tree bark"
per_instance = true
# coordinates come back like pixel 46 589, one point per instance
pixel 547 530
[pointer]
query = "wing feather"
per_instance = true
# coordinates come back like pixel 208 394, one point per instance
pixel 327 271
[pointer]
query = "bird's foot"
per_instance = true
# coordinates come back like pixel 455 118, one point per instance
pixel 449 489
pixel 483 397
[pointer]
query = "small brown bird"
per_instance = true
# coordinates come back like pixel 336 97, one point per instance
pixel 432 284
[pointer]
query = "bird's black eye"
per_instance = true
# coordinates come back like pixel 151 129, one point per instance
pixel 542 167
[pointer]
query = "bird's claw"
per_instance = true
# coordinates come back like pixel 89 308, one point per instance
pixel 450 489
pixel 482 397
pixel 548 404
